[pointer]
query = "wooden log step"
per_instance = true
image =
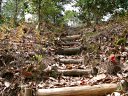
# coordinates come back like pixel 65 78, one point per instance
pixel 96 90
pixel 71 61
pixel 70 43
pixel 69 51
pixel 75 72
pixel 67 43
pixel 71 38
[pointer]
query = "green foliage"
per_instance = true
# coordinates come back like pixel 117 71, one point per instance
pixel 11 10
pixel 69 15
pixel 96 9
pixel 2 20
pixel 51 11
pixel 8 8
pixel 121 41
pixel 38 58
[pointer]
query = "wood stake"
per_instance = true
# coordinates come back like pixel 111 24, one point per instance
pixel 28 92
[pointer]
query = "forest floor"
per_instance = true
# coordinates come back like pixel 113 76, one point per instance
pixel 74 57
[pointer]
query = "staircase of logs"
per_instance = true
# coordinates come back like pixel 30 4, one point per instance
pixel 69 52
pixel 69 49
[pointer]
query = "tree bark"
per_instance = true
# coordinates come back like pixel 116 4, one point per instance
pixel 96 90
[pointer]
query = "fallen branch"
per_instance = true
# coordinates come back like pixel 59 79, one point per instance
pixel 96 90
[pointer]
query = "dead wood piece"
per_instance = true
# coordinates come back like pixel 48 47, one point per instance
pixel 71 38
pixel 71 61
pixel 74 72
pixel 96 90
pixel 69 51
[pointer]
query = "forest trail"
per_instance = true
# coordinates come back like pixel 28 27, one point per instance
pixel 72 58
pixel 69 52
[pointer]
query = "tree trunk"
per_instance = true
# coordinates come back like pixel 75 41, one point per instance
pixel 39 14
pixel 88 23
pixel 23 12
pixel 16 13
pixel 97 20
pixel 0 9
pixel 96 90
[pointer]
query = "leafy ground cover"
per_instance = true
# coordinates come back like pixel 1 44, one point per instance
pixel 28 58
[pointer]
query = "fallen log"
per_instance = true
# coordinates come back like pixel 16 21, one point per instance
pixel 74 72
pixel 69 51
pixel 71 38
pixel 71 61
pixel 96 90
